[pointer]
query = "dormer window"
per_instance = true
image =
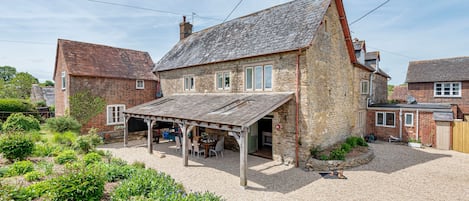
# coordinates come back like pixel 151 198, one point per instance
pixel 140 84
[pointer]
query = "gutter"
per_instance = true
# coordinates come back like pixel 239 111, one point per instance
pixel 297 107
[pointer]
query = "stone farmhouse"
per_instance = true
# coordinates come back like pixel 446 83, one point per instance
pixel 283 79
pixel 122 77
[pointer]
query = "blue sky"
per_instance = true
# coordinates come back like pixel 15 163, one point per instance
pixel 401 30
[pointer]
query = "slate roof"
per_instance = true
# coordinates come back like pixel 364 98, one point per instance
pixel 237 109
pixel 438 70
pixel 427 106
pixel 285 27
pixel 86 59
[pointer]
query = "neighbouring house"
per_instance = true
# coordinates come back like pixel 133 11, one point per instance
pixel 437 94
pixel 441 81
pixel 399 94
pixel 281 81
pixel 43 94
pixel 122 77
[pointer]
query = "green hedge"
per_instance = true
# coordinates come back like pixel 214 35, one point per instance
pixel 15 105
pixel 16 146
pixel 20 122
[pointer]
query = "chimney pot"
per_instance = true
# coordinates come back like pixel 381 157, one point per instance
pixel 185 28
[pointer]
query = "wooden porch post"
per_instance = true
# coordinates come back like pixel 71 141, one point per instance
pixel 185 140
pixel 242 140
pixel 126 131
pixel 150 124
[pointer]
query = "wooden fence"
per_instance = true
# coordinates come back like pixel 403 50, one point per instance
pixel 461 136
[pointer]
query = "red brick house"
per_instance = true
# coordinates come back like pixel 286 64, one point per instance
pixel 441 81
pixel 122 77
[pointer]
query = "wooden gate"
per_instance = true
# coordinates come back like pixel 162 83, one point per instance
pixel 461 136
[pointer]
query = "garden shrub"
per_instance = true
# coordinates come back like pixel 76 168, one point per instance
pixel 91 158
pixel 361 142
pixel 3 171
pixel 352 141
pixel 67 138
pixel 37 189
pixel 34 176
pixel 20 168
pixel 337 154
pixel 20 122
pixel 138 164
pixel 15 105
pixel 118 161
pixel 36 136
pixel 144 182
pixel 62 124
pixel 16 146
pixel 45 149
pixel 346 147
pixel 314 151
pixel 47 167
pixel 78 183
pixel 66 156
pixel 1 125
pixel 115 172
pixel 323 157
pixel 14 192
pixel 87 143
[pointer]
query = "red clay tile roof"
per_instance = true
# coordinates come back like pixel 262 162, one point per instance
pixel 86 59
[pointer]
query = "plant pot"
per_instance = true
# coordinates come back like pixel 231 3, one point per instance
pixel 415 144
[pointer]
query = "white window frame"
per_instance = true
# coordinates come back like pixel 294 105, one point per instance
pixel 409 116
pixel 186 84
pixel 442 90
pixel 137 86
pixel 367 89
pixel 361 119
pixel 262 77
pixel 111 111
pixel 384 124
pixel 64 80
pixel 223 75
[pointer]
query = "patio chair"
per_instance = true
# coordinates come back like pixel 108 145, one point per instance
pixel 219 147
pixel 394 139
pixel 197 150
pixel 178 143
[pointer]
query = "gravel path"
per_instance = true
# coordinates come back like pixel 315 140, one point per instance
pixel 397 173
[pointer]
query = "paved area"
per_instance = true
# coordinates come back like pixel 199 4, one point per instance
pixel 397 173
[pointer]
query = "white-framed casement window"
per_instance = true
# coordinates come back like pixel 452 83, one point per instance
pixel 258 78
pixel 64 80
pixel 409 119
pixel 189 83
pixel 115 114
pixel 447 89
pixel 364 87
pixel 223 80
pixel 140 84
pixel 386 119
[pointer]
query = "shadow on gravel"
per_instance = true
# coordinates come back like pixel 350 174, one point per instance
pixel 273 176
pixel 390 157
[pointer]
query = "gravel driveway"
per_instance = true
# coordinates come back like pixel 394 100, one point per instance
pixel 397 173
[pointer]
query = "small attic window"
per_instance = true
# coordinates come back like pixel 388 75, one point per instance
pixel 140 84
pixel 64 81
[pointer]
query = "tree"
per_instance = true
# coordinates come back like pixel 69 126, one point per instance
pixel 49 83
pixel 22 84
pixel 7 73
pixel 84 106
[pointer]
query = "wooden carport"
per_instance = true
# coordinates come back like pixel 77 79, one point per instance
pixel 230 112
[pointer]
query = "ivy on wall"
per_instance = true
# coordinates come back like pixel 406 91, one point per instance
pixel 84 106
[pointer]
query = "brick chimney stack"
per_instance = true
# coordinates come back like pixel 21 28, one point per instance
pixel 185 28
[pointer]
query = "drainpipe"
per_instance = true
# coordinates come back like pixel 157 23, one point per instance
pixel 297 117
pixel 400 123
pixel 417 129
